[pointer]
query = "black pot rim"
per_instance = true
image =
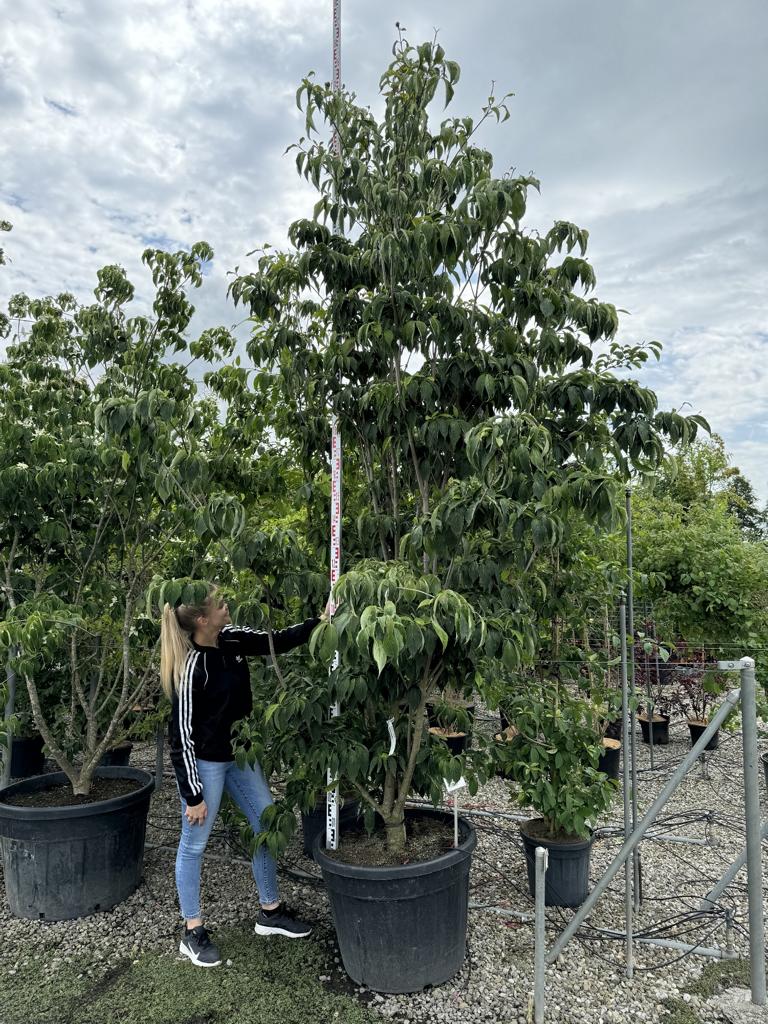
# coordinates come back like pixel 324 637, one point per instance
pixel 553 844
pixel 399 871
pixel 41 782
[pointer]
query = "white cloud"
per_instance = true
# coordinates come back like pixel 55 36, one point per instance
pixel 148 123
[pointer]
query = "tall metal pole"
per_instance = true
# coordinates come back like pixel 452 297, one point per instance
pixel 636 866
pixel 629 866
pixel 752 814
pixel 332 802
pixel 540 937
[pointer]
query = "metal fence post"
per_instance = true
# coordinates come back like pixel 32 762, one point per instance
pixel 752 816
pixel 629 867
pixel 540 937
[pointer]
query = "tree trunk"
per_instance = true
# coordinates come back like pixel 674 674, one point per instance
pixel 395 826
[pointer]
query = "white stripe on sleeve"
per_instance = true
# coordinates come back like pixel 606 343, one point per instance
pixel 185 723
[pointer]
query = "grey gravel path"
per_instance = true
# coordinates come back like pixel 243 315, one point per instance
pixel 586 986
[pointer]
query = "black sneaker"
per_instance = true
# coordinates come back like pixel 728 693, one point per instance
pixel 281 921
pixel 197 945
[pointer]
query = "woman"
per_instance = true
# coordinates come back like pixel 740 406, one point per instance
pixel 204 672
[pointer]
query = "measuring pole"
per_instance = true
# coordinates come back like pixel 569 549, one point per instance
pixel 332 800
pixel 636 864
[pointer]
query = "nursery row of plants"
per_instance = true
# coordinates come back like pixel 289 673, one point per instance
pixel 491 421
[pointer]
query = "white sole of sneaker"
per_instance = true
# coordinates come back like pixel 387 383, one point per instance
pixel 187 952
pixel 261 929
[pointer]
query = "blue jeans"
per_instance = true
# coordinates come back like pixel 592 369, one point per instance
pixel 249 790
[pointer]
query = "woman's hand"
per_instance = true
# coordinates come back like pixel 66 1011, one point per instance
pixel 196 815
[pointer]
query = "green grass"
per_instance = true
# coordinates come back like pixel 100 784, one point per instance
pixel 715 977
pixel 268 981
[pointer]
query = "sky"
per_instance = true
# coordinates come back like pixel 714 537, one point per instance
pixel 127 125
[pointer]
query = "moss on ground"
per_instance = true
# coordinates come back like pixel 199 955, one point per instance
pixel 273 980
pixel 715 977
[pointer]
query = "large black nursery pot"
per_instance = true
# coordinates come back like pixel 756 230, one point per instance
pixel 660 730
pixel 610 758
pixel 403 927
pixel 61 863
pixel 566 882
pixel 313 822
pixel 697 728
pixel 117 756
pixel 26 756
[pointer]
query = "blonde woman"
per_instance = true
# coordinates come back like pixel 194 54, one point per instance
pixel 205 673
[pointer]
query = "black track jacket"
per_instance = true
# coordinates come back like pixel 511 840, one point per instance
pixel 214 693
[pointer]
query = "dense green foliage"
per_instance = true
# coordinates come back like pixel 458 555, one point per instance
pixel 458 352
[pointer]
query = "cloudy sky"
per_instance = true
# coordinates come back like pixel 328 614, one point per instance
pixel 161 123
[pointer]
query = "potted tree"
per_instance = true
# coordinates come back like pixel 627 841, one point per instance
pixel 553 761
pixel 454 350
pixel 695 696
pixel 106 476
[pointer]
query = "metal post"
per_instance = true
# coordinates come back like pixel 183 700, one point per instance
pixel 629 866
pixel 752 816
pixel 332 798
pixel 540 937
pixel 636 867
pixel 5 776
pixel 714 894
pixel 629 845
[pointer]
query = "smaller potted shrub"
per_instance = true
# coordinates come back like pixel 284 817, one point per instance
pixel 696 696
pixel 553 761
pixel 451 718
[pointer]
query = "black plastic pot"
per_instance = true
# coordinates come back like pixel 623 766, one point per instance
pixel 609 761
pixel 65 862
pixel 313 822
pixel 402 928
pixel 117 757
pixel 567 879
pixel 613 728
pixel 764 759
pixel 697 728
pixel 456 744
pixel 504 720
pixel 26 756
pixel 660 730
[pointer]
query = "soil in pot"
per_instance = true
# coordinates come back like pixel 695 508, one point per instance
pixel 660 730
pixel 61 795
pixel 696 728
pixel 566 882
pixel 457 742
pixel 426 838
pixel 610 758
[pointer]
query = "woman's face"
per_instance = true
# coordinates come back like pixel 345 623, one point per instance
pixel 218 613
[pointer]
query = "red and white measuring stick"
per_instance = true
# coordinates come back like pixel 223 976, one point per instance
pixel 332 805
pixel 332 802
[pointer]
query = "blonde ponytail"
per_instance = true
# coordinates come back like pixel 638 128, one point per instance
pixel 174 647
pixel 176 628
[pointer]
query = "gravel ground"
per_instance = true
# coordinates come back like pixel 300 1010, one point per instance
pixel 588 983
